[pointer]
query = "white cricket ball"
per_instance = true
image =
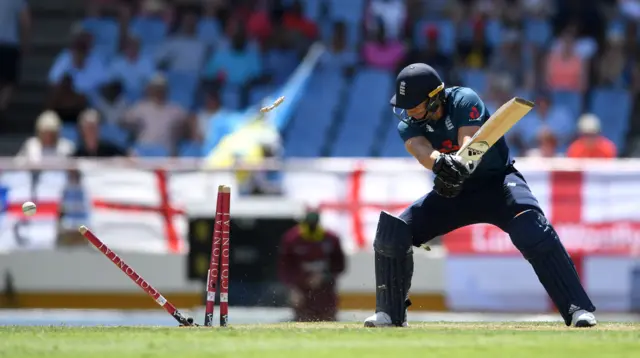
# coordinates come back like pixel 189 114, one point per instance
pixel 29 208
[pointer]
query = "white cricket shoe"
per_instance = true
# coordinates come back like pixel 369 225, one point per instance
pixel 380 319
pixel 582 318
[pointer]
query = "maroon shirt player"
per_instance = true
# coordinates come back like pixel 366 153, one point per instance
pixel 311 258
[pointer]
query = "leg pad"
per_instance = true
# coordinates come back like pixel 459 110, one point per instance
pixel 393 266
pixel 538 242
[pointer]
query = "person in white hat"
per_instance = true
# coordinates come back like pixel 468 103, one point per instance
pixel 590 143
pixel 47 141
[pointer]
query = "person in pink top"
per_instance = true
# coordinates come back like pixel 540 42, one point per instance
pixel 382 53
pixel 565 69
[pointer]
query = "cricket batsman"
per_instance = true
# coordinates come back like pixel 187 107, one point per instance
pixel 434 122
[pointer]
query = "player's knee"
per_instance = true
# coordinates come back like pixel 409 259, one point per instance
pixel 393 236
pixel 417 227
pixel 532 234
pixel 407 215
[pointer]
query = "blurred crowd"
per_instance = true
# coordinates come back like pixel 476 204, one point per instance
pixel 573 58
pixel 149 77
pixel 153 75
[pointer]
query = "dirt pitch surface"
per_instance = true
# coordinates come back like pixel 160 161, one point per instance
pixel 335 340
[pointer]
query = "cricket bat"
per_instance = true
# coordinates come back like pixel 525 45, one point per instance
pixel 498 124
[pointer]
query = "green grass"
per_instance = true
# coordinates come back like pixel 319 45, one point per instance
pixel 333 340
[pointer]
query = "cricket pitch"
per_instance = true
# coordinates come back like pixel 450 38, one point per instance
pixel 335 340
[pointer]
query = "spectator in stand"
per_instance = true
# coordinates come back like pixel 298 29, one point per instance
pixel 73 211
pixel 101 22
pixel 295 20
pixel 221 10
pixel 584 46
pixel 260 22
pixel 499 90
pixel 132 68
pixel 209 26
pixel 339 56
pixel 418 10
pixel 381 52
pixel 630 8
pixel 392 13
pixel 630 38
pixel 86 71
pixel 538 9
pixel 509 59
pixel 566 70
pixel 590 143
pixel 154 121
pixel 183 51
pixel 238 66
pixel 150 25
pixel 475 53
pixel 66 101
pixel 546 116
pixel 281 58
pixel 15 30
pixel 111 102
pixel 238 12
pixel 431 55
pixel 210 112
pixel 546 146
pixel 613 67
pixel 91 145
pixel 47 143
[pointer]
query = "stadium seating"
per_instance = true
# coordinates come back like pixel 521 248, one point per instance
pixel 494 33
pixel 475 79
pixel 392 145
pixel 613 107
pixel 316 111
pixel 538 32
pixel 311 7
pixel 151 32
pixel 209 31
pixel 230 96
pixel 150 150
pixel 351 11
pixel 105 34
pixel 114 134
pixel 571 100
pixel 368 96
pixel 354 33
pixel 182 87
pixel 70 132
pixel 190 149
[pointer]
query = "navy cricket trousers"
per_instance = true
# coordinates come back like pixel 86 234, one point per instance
pixel 492 200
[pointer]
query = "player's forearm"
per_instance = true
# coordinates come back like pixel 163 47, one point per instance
pixel 423 151
pixel 427 159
